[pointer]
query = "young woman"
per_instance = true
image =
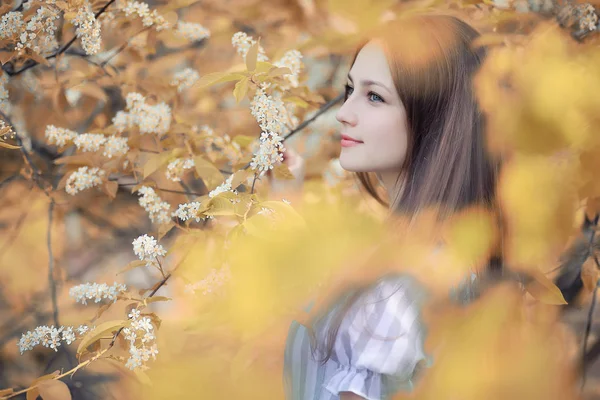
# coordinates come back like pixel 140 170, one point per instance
pixel 411 121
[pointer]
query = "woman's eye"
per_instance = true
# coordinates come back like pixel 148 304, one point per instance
pixel 375 97
pixel 348 91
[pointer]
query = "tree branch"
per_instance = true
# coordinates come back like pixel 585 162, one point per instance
pixel 32 63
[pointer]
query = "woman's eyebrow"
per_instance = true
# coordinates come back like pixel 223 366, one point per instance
pixel 368 82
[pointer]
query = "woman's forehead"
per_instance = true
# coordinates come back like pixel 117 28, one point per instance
pixel 371 63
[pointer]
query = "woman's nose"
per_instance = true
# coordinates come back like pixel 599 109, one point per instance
pixel 346 115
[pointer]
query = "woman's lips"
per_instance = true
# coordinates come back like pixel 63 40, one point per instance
pixel 347 141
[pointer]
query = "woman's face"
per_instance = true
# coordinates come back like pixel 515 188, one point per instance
pixel 374 129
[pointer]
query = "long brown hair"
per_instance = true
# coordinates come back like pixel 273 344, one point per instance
pixel 433 61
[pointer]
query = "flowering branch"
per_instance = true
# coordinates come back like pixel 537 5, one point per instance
pixel 32 63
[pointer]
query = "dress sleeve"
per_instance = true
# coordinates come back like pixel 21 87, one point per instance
pixel 380 341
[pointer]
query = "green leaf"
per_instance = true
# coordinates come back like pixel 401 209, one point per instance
pixel 100 331
pixel 252 56
pixel 240 90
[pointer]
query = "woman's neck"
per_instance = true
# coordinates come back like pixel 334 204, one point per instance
pixel 393 184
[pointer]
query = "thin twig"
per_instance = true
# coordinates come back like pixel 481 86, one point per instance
pixel 33 63
pixel 321 111
pixel 588 326
pixel 165 190
pixel 51 281
pixel 123 46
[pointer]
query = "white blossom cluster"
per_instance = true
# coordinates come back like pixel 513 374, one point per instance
pixel 39 33
pixel 292 60
pixel 59 136
pixel 188 211
pixel 242 43
pixel 88 29
pixel 147 249
pixel 224 187
pixel 6 130
pixel 142 341
pixel 148 118
pixel 89 141
pixel 149 18
pixel 84 178
pixel 49 336
pixel 192 31
pixel 115 146
pixel 112 145
pixel 11 24
pixel 153 204
pixel 96 291
pixel 185 79
pixel 270 152
pixel 213 281
pixel 177 167
pixel 269 111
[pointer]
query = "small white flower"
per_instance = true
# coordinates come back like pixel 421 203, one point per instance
pixel 158 210
pixel 192 31
pixel 84 178
pixel 115 146
pixel 59 136
pixel 185 79
pixel 134 314
pixel 89 141
pixel 98 292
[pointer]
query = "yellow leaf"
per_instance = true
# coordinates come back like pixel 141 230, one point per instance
pixel 175 5
pixel 154 299
pixel 218 77
pixel 54 389
pixel 279 71
pixel 240 90
pixel 155 161
pixel 163 229
pixel 207 172
pixel 263 66
pixel 252 56
pixel 100 331
pixel 79 159
pixel 543 289
pixel 111 188
pixel 8 146
pixel 132 265
pixel 240 177
pixel 35 392
pixel 6 392
pixel 243 140
pixel 281 171
pixel 220 206
pixel 296 100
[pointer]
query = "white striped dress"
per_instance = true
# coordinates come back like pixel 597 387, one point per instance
pixel 376 350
